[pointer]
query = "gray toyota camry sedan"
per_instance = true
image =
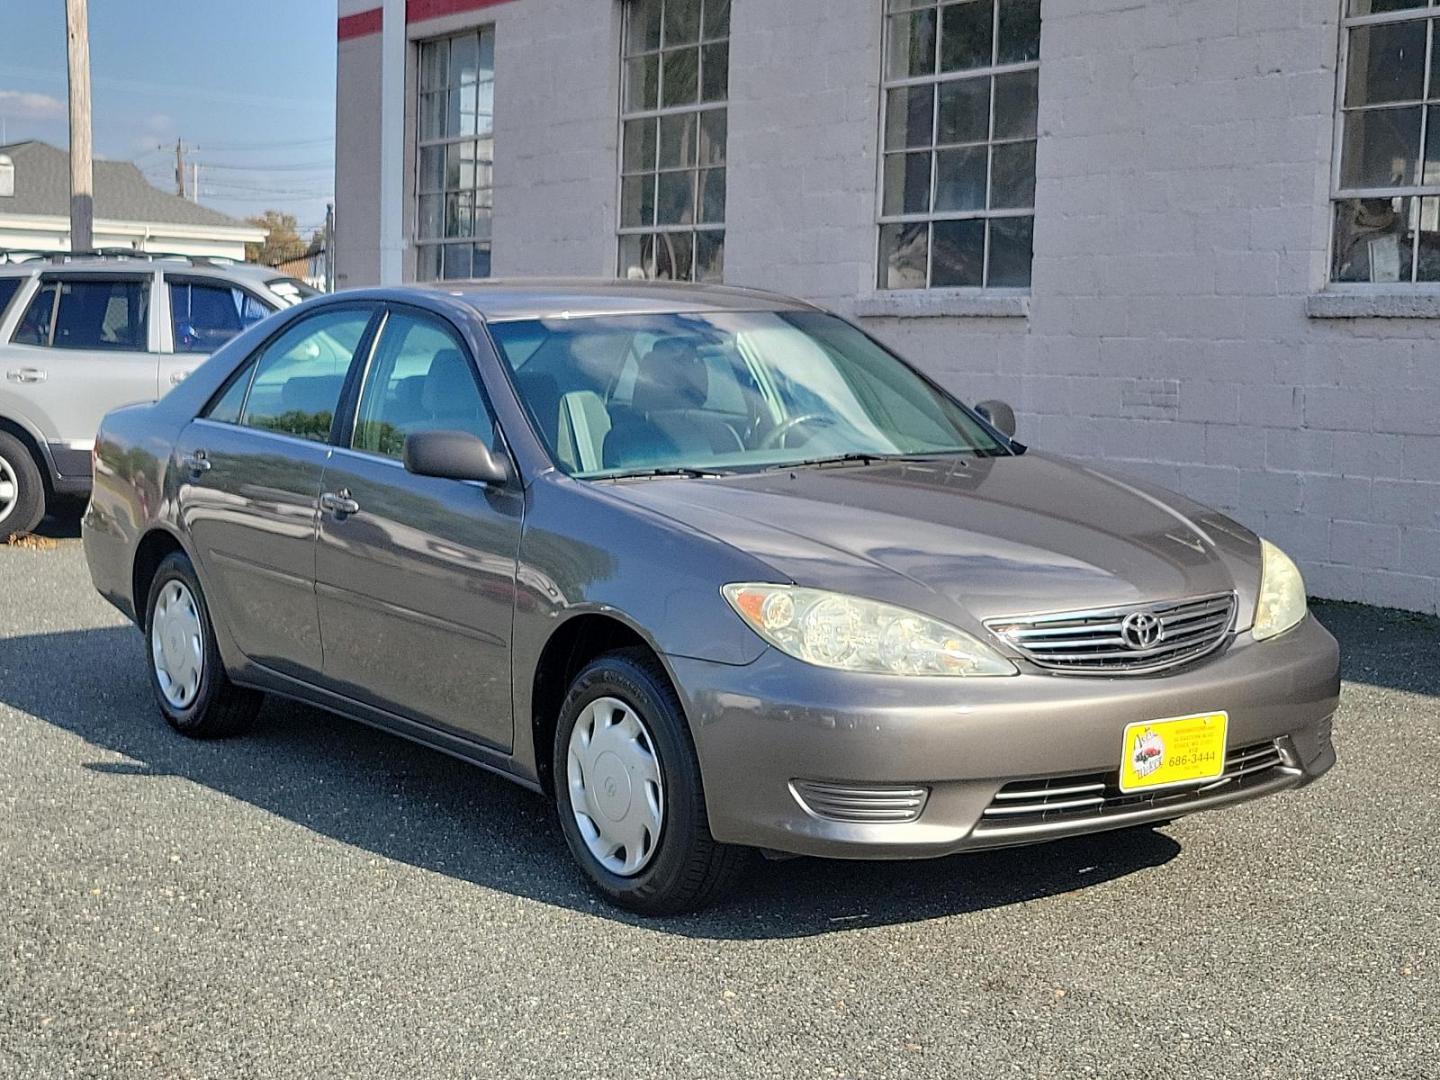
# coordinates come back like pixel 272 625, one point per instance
pixel 710 568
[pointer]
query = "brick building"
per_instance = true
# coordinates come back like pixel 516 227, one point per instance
pixel 1197 240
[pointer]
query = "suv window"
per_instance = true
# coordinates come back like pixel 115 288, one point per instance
pixel 419 380
pixel 205 315
pixel 295 382
pixel 97 314
pixel 9 286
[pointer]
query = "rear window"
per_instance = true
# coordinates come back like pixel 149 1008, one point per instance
pixel 92 314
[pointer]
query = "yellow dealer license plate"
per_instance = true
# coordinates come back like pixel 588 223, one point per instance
pixel 1180 750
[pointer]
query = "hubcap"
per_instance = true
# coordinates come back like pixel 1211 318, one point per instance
pixel 616 793
pixel 177 645
pixel 9 489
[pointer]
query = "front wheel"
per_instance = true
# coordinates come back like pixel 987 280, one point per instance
pixel 628 790
pixel 195 695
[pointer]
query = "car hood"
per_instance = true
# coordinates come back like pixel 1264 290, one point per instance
pixel 977 537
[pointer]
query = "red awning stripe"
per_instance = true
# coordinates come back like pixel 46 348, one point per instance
pixel 360 24
pixel 370 22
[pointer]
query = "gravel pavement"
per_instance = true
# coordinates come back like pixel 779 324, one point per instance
pixel 320 900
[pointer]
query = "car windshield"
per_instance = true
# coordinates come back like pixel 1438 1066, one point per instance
pixel 725 392
pixel 291 290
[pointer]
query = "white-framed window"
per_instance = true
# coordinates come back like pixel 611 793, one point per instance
pixel 456 150
pixel 675 85
pixel 1386 191
pixel 958 130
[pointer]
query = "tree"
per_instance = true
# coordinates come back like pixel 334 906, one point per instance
pixel 282 239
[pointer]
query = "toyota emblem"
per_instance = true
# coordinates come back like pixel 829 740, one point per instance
pixel 1142 630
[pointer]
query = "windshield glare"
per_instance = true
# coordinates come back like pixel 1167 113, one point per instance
pixel 724 392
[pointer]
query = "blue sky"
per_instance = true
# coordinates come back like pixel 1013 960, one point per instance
pixel 250 85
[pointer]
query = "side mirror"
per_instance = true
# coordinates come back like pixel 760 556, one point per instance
pixel 454 455
pixel 1000 415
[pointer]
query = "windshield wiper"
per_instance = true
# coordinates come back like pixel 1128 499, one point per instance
pixel 856 457
pixel 668 470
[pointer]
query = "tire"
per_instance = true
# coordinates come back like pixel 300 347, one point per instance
pixel 209 706
pixel 22 489
pixel 684 868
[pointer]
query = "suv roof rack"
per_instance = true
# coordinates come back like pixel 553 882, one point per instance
pixel 21 255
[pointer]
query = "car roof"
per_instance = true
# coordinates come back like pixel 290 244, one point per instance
pixel 139 263
pixel 506 300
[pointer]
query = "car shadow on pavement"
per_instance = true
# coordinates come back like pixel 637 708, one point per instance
pixel 1384 646
pixel 403 802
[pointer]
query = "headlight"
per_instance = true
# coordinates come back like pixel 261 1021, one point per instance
pixel 837 631
pixel 1282 593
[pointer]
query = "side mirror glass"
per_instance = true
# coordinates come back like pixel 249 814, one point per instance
pixel 1000 415
pixel 454 455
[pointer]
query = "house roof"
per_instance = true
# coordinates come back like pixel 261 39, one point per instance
pixel 42 189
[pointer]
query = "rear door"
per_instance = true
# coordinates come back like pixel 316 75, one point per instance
pixel 204 313
pixel 251 469
pixel 85 344
pixel 415 575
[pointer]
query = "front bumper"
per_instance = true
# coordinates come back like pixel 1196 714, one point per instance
pixel 760 727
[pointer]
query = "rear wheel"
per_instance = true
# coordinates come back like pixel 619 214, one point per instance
pixel 22 489
pixel 628 790
pixel 195 695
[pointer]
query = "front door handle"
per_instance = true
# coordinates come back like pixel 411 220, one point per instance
pixel 26 375
pixel 195 463
pixel 339 503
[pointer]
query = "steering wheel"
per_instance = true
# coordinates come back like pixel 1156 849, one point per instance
pixel 776 438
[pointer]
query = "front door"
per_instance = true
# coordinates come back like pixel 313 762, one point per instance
pixel 82 347
pixel 251 469
pixel 205 313
pixel 415 576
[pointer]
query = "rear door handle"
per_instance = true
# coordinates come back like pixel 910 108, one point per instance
pixel 339 503
pixel 26 375
pixel 196 463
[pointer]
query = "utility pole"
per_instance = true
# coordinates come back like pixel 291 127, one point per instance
pixel 179 168
pixel 329 247
pixel 195 186
pixel 82 174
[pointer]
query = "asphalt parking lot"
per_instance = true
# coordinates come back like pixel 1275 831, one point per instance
pixel 317 899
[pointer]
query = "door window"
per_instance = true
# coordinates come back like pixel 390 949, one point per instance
pixel 298 377
pixel 206 315
pixel 8 288
pixel 418 380
pixel 98 314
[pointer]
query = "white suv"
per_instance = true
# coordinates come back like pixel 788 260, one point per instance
pixel 81 335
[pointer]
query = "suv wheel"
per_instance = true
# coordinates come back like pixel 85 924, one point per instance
pixel 22 489
pixel 191 687
pixel 628 790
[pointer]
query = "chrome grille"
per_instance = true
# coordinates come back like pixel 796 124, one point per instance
pixel 1094 642
pixel 868 803
pixel 1030 802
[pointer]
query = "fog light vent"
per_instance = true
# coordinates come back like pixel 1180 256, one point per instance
pixel 877 803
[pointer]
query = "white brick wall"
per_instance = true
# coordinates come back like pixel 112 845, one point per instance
pixel 1182 215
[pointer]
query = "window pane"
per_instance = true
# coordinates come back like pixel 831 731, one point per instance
pixel 1372 240
pixel 642 83
pixel 712 196
pixel 1428 268
pixel 458 218
pixel 1011 240
pixel 637 254
pixel 960 178
pixel 959 254
pixel 675 203
pixel 907 183
pixel 644 26
pixel 455 262
pixel 432 169
pixel 673 256
pixel 108 315
pixel 428 262
pixel 677 141
pixel 909 117
pixel 717 18
pixel 1012 176
pixel 204 317
pixel 680 82
pixel 710 256
pixel 715 72
pixel 464 60
pixel 420 380
pixel 1019 31
pixel 964 111
pixel 34 328
pixel 1381 147
pixel 967 34
pixel 682 22
pixel 430 210
pixel 480 261
pixel 912 44
pixel 1376 7
pixel 903 253
pixel 8 288
pixel 1016 102
pixel 712 137
pixel 432 115
pixel 226 410
pixel 434 63
pixel 1386 63
pixel 487 55
pixel 298 379
pixel 639 145
pixel 637 201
